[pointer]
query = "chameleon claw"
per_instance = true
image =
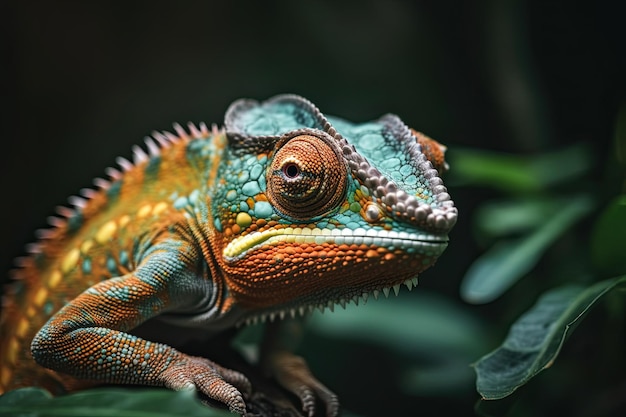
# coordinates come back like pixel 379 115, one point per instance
pixel 218 383
pixel 293 374
pixel 308 401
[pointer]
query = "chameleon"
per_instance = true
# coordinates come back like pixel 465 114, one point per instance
pixel 281 211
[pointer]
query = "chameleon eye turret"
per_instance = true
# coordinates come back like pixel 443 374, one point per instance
pixel 307 176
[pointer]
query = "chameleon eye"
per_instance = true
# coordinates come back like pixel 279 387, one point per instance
pixel 306 178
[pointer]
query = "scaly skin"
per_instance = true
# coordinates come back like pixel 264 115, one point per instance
pixel 283 211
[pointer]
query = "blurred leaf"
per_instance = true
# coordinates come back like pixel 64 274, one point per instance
pixel 23 395
pixel 535 339
pixel 609 238
pixel 503 171
pixel 509 260
pixel 438 338
pixel 443 378
pixel 514 173
pixel 105 402
pixel 411 324
pixel 504 217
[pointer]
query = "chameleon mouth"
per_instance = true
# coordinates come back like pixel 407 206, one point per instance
pixel 423 243
pixel 304 310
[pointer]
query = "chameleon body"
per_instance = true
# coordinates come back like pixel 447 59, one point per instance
pixel 282 211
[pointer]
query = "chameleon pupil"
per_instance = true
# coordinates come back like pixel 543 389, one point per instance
pixel 291 170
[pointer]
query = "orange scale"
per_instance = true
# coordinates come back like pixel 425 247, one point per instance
pixel 277 257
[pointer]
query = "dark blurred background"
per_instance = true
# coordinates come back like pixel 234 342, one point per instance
pixel 84 81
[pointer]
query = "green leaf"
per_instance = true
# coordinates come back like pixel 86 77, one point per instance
pixel 514 173
pixel 446 378
pixel 505 217
pixel 535 339
pixel 509 260
pixel 105 402
pixel 23 395
pixel 436 338
pixel 609 238
pixel 410 323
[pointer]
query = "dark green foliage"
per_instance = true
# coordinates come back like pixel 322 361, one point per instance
pixel 110 402
pixel 536 338
pixel 609 238
pixel 511 259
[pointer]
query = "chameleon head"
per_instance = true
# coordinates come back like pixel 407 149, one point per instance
pixel 313 209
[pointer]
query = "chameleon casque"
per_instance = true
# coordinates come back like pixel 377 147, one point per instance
pixel 282 211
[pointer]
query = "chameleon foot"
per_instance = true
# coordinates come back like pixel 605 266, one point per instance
pixel 293 374
pixel 218 383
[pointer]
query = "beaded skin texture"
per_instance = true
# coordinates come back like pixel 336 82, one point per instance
pixel 281 211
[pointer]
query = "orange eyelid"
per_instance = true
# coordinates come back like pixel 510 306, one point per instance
pixel 305 196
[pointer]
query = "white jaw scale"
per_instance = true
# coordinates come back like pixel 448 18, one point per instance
pixel 424 242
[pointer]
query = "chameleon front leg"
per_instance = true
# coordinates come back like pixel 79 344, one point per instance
pixel 291 370
pixel 88 337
